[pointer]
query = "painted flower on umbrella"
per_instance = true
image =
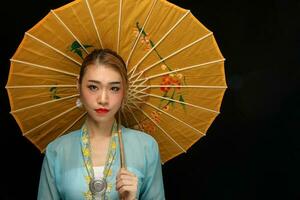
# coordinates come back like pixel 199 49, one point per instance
pixel 172 79
pixel 156 116
pixel 148 126
pixel 167 81
pixel 171 94
pixel 144 38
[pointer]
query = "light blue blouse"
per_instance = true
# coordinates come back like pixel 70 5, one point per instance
pixel 64 175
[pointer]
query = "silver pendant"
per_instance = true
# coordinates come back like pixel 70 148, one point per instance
pixel 97 186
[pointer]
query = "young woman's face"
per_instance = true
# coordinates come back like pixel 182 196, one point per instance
pixel 101 92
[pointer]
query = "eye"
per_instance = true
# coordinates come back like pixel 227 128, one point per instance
pixel 92 87
pixel 115 89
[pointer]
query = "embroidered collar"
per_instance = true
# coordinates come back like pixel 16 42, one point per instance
pixel 86 153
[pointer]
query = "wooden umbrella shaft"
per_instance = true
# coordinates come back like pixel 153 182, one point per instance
pixel 123 165
pixel 122 156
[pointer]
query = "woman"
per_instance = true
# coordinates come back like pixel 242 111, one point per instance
pixel 85 164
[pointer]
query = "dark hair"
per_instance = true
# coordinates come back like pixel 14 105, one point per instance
pixel 107 58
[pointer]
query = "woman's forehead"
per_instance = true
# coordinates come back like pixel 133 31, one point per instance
pixel 102 73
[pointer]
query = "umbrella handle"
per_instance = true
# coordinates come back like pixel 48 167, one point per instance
pixel 122 156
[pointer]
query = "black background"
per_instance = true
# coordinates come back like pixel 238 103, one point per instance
pixel 251 151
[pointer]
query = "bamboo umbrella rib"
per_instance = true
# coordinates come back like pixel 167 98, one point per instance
pixel 137 96
pixel 51 119
pixel 133 92
pixel 160 110
pixel 53 48
pixel 140 32
pixel 67 28
pixel 39 86
pixel 202 65
pixel 181 86
pixel 140 96
pixel 43 103
pixel 119 25
pixel 144 81
pixel 135 118
pixel 94 23
pixel 137 102
pixel 178 145
pixel 44 67
pixel 172 54
pixel 167 33
pixel 180 102
pixel 66 129
pixel 132 106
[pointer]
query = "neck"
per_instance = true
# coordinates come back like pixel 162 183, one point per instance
pixel 99 130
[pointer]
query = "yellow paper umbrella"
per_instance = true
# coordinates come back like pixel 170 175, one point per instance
pixel 175 68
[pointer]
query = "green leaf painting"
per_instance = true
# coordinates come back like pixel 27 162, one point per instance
pixel 77 48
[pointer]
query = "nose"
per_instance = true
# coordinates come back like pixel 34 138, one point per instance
pixel 102 97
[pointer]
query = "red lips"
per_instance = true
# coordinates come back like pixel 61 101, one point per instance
pixel 101 110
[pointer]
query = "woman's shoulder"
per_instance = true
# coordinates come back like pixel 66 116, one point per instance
pixel 138 136
pixel 139 146
pixel 64 141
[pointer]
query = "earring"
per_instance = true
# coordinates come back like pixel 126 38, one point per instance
pixel 78 103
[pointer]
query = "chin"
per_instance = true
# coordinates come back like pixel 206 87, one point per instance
pixel 101 119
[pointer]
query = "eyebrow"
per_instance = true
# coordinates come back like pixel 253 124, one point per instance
pixel 99 82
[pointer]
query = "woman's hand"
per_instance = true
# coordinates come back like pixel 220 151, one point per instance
pixel 126 184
